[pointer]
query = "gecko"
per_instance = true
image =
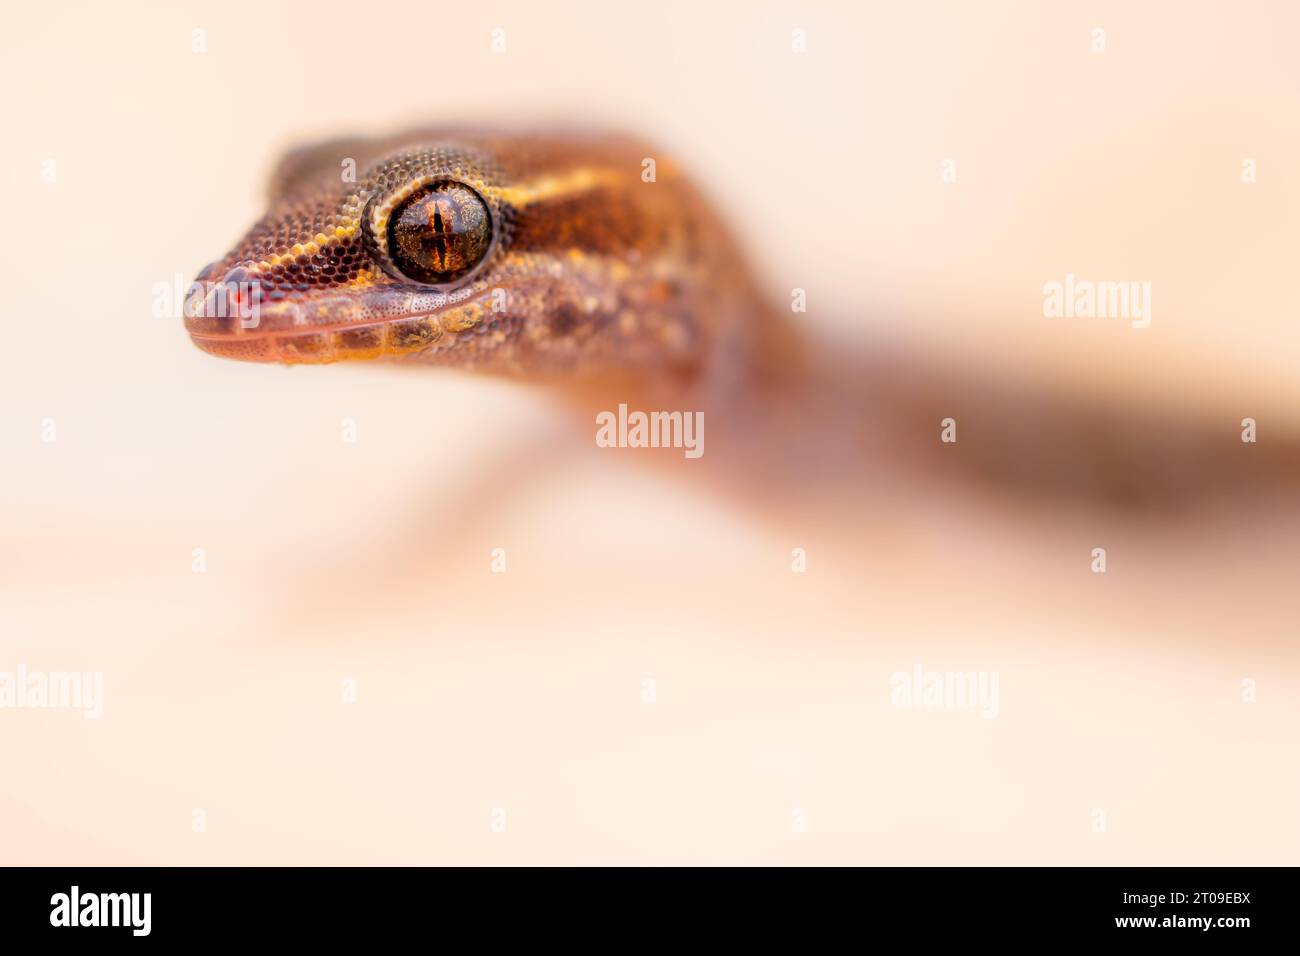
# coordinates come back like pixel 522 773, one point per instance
pixel 589 264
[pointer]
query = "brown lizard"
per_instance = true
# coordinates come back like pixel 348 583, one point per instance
pixel 591 263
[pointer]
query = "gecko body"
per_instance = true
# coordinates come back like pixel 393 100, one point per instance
pixel 590 259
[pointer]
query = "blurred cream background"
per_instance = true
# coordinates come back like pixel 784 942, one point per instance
pixel 523 692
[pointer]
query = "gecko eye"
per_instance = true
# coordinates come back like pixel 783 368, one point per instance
pixel 439 233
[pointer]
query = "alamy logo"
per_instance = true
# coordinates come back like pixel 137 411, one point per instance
pixel 651 430
pixel 76 690
pixel 1085 299
pixel 952 690
pixel 237 296
pixel 102 909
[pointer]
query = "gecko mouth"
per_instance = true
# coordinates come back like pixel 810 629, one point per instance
pixel 232 319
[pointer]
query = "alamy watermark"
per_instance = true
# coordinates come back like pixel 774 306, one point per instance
pixel 237 296
pixel 1085 299
pixel 67 690
pixel 950 690
pixel 624 429
pixel 75 908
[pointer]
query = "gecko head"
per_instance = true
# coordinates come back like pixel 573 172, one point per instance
pixel 511 253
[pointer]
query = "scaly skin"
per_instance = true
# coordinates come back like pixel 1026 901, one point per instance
pixel 593 274
pixel 590 266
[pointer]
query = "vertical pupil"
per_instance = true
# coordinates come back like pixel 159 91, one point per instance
pixel 440 239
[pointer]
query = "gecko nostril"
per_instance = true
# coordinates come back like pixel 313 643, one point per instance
pixel 225 305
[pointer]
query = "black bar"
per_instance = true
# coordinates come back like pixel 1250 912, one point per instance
pixel 367 906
